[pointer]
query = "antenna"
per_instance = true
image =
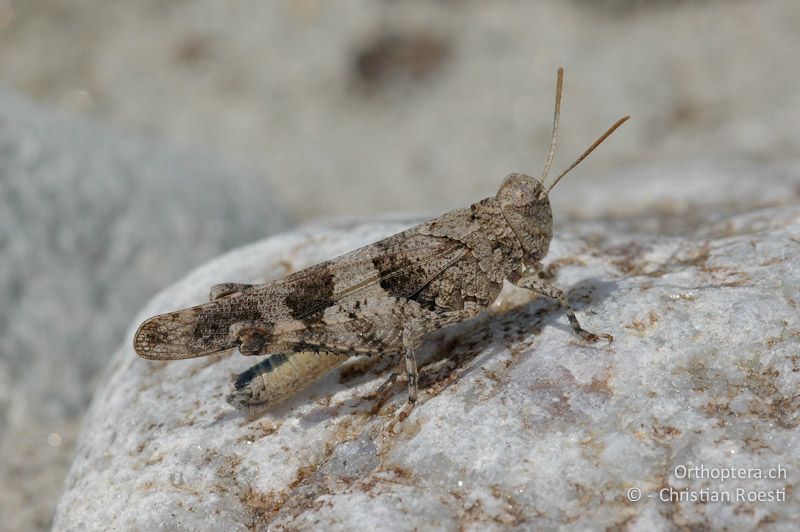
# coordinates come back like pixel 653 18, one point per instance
pixel 589 150
pixel 559 85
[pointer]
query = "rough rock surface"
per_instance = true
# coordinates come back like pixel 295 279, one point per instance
pixel 520 423
pixel 92 223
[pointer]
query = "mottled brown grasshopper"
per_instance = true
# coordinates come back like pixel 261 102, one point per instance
pixel 381 299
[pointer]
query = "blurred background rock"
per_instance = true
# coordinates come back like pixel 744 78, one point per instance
pixel 92 223
pixel 342 108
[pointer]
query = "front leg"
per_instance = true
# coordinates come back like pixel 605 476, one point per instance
pixel 533 283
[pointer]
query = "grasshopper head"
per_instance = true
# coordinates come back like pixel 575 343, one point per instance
pixel 525 201
pixel 526 208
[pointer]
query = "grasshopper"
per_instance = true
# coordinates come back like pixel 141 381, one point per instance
pixel 381 299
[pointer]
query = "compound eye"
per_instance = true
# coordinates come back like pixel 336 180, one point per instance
pixel 523 196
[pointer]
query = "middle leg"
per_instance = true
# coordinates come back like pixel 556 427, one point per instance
pixel 413 334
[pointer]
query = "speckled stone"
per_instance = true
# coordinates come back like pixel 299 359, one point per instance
pixel 521 425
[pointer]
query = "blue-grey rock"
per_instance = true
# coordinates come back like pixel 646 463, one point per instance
pixel 92 223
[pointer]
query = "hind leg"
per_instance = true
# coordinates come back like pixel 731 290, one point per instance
pixel 279 376
pixel 221 290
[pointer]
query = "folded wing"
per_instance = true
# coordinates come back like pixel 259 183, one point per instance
pixel 396 267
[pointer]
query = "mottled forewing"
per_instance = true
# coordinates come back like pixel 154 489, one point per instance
pixel 195 331
pixel 396 267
